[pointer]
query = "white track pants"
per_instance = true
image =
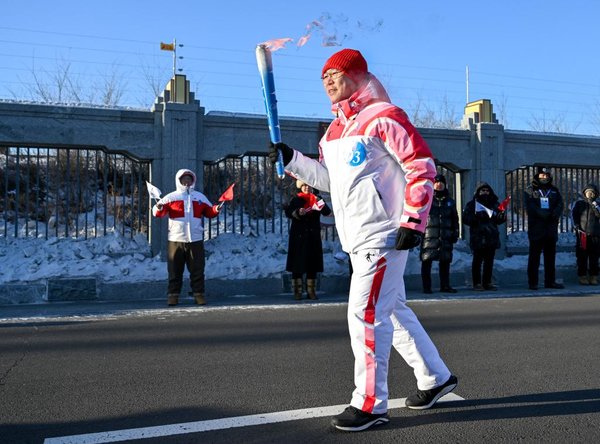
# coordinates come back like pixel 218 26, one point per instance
pixel 378 318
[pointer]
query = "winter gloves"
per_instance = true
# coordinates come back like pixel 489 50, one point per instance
pixel 286 152
pixel 408 238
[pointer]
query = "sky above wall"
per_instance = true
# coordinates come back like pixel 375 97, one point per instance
pixel 536 60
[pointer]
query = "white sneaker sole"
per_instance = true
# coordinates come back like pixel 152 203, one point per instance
pixel 377 421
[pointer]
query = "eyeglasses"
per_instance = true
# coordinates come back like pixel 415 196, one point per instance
pixel 331 76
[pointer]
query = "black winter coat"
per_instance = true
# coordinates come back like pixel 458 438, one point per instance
pixel 305 250
pixel 542 222
pixel 586 217
pixel 442 229
pixel 484 233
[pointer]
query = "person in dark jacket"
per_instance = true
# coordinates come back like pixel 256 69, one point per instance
pixel 441 233
pixel 544 206
pixel 586 217
pixel 483 216
pixel 305 250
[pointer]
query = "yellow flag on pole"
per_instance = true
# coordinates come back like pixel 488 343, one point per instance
pixel 167 46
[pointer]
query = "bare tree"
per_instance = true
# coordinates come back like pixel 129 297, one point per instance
pixel 551 124
pixel 112 89
pixel 444 116
pixel 62 85
pixel 156 78
pixel 595 116
pixel 501 107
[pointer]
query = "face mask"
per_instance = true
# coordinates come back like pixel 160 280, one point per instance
pixel 544 181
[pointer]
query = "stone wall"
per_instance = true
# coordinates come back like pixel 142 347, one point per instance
pixel 182 135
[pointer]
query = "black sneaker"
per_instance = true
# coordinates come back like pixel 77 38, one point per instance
pixel 555 285
pixel 425 399
pixel 355 420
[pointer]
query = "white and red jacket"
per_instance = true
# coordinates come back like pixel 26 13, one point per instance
pixel 376 166
pixel 185 208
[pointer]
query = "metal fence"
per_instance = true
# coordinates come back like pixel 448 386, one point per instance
pixel 260 197
pixel 569 179
pixel 71 192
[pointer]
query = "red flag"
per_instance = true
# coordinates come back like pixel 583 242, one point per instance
pixel 504 204
pixel 583 240
pixel 228 194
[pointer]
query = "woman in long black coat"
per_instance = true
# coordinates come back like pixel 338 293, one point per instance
pixel 305 250
pixel 483 215
pixel 441 233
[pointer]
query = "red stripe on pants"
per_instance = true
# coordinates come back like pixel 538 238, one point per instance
pixel 371 364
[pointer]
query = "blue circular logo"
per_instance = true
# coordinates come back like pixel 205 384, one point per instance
pixel 359 154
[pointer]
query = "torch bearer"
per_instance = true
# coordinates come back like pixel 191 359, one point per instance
pixel 265 68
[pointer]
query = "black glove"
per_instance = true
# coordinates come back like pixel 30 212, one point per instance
pixel 408 238
pixel 286 152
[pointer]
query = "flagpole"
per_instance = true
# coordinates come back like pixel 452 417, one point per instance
pixel 174 57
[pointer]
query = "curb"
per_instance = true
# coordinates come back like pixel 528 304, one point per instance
pixel 90 289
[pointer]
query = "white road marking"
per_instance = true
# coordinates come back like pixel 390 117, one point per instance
pixel 218 424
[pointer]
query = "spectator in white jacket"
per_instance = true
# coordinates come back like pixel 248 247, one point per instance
pixel 185 208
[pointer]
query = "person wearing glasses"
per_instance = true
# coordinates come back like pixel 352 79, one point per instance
pixel 379 172
pixel 483 216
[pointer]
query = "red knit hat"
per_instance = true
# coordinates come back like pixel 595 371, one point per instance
pixel 350 61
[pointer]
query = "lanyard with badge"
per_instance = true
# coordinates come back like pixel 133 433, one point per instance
pixel 544 200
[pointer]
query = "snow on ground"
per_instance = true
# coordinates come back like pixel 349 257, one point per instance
pixel 115 258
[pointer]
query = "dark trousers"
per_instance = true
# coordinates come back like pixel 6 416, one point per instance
pixel 190 255
pixel 444 274
pixel 483 257
pixel 548 247
pixel 587 261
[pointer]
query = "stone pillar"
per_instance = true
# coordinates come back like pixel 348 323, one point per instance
pixel 179 125
pixel 490 165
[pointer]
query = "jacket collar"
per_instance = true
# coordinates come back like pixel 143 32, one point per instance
pixel 370 91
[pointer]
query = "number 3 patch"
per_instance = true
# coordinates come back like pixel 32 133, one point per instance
pixel 358 156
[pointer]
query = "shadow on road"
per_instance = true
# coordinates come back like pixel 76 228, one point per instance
pixel 573 402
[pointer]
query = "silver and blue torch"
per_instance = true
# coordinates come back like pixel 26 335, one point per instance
pixel 265 68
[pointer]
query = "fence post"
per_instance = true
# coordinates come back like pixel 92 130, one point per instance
pixel 490 166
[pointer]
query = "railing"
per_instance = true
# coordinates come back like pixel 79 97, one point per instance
pixel 569 179
pixel 71 192
pixel 260 196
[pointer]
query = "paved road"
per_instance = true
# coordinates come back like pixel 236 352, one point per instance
pixel 528 370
